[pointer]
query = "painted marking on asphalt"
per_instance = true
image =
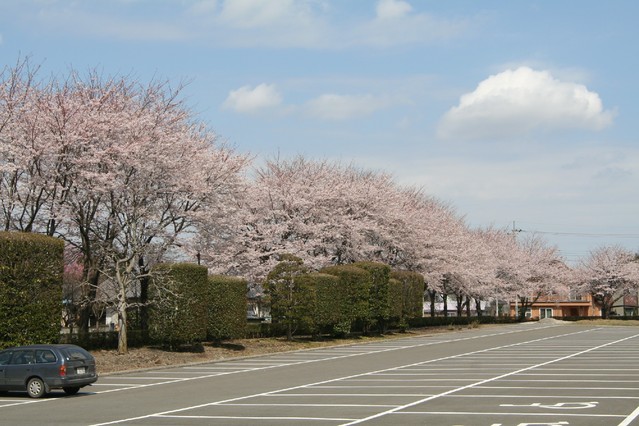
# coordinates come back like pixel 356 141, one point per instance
pixel 171 412
pixel 423 400
pixel 235 364
pixel 557 406
pixel 630 418
pixel 498 413
pixel 262 418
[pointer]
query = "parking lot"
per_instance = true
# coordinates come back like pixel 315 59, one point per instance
pixel 532 374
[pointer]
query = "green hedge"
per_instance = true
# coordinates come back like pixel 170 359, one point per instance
pixel 95 340
pixel 396 302
pixel 226 307
pixel 325 290
pixel 408 295
pixel 31 267
pixel 379 303
pixel 178 313
pixel 610 317
pixel 458 321
pixel 351 297
pixel 290 299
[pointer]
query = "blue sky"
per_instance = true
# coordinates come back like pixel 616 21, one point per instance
pixel 512 111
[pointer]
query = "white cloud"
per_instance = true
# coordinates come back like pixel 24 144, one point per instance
pixel 315 24
pixel 250 23
pixel 260 13
pixel 248 100
pixel 396 23
pixel 343 107
pixel 517 102
pixel 390 9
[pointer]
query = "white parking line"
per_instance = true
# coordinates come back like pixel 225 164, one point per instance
pixel 523 414
pixel 325 382
pixel 630 418
pixel 237 366
pixel 423 400
pixel 262 418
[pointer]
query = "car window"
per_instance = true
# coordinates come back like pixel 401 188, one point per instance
pixel 5 356
pixel 22 356
pixel 77 353
pixel 44 355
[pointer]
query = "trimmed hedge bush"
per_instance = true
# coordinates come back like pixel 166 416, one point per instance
pixel 351 296
pixel 458 321
pixel 408 296
pixel 323 313
pixel 226 307
pixel 105 339
pixel 178 314
pixel 395 301
pixel 291 300
pixel 31 267
pixel 379 303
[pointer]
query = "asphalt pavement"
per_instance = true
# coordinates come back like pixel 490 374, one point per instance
pixel 534 374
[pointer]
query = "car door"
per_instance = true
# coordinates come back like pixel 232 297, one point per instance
pixel 46 365
pixel 5 356
pixel 18 368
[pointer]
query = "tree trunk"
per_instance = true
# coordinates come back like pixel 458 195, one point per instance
pixel 89 291
pixel 478 307
pixel 123 347
pixel 432 294
pixel 144 300
pixel 445 297
pixel 459 306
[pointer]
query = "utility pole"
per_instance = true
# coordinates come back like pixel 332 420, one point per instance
pixel 515 230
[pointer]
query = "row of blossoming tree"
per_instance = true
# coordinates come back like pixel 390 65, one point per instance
pixel 128 177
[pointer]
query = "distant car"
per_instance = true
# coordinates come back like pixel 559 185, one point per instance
pixel 39 368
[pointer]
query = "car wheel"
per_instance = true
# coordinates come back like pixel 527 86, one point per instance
pixel 36 388
pixel 71 390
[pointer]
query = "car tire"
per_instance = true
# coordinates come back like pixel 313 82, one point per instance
pixel 36 388
pixel 71 390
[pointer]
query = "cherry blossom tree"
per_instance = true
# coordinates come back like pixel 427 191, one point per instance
pixel 320 212
pixel 609 273
pixel 121 170
pixel 157 176
pixel 22 179
pixel 534 269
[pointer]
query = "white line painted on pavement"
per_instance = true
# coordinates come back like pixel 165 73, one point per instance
pixel 412 404
pixel 317 384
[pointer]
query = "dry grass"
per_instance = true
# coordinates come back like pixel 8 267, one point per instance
pixel 609 322
pixel 109 361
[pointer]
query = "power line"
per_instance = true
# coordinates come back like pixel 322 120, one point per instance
pixel 581 234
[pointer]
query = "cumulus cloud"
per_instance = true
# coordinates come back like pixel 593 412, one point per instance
pixel 343 107
pixel 521 101
pixel 248 100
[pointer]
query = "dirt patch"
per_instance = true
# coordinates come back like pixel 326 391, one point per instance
pixel 110 362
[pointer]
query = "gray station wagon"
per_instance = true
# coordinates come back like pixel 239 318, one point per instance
pixel 39 368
